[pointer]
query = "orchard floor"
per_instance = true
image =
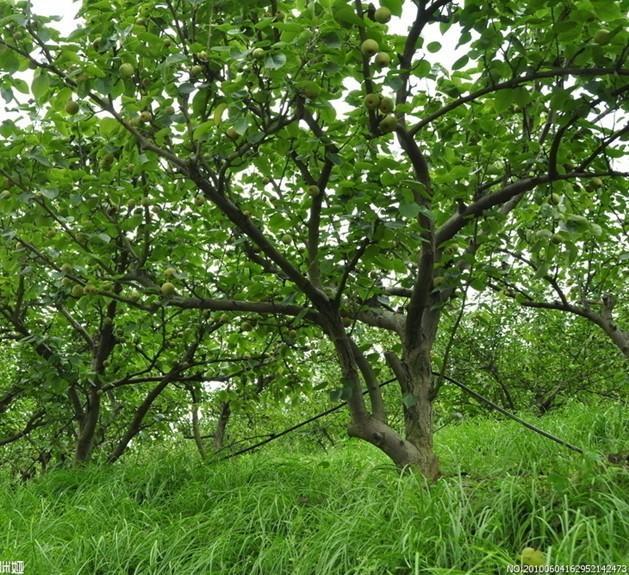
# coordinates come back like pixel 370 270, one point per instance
pixel 343 512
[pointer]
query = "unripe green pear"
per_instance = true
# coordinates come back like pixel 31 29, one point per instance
pixel 369 47
pixel 133 296
pixel 310 89
pixel 386 105
pixel 107 161
pixel 72 107
pixel 382 59
pixel 382 15
pixel 196 70
pixel 313 190
pixel 170 272
pixel 232 133
pixel 66 269
pixel 258 53
pixel 126 70
pixel 371 101
pixel 388 123
pixel 602 36
pixel 168 289
pixel 77 291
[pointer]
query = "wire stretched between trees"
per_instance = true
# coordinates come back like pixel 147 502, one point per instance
pixel 465 388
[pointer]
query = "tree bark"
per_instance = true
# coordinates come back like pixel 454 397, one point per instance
pixel 87 428
pixel 402 452
pixel 218 439
pixel 414 452
pixel 418 415
pixel 617 335
pixel 414 375
pixel 138 417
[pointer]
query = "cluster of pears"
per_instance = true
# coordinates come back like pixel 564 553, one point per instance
pixel 168 288
pixel 384 105
pixel 371 49
pixel 77 290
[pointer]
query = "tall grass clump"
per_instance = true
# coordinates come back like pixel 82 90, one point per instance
pixel 342 512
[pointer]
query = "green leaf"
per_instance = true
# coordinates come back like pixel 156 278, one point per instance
pixel 241 124
pixel 503 100
pixel 40 85
pixel 607 10
pixel 275 61
pixel 217 115
pixel 204 129
pixel 409 210
pixel 422 69
pixel 108 126
pixel 50 194
pixel 21 86
pixel 331 40
pixel 9 61
pixel 433 47
pixel 345 15
pixel 460 63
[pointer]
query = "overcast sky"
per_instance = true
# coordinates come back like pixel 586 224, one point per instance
pixel 64 8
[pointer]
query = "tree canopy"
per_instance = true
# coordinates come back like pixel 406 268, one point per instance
pixel 198 190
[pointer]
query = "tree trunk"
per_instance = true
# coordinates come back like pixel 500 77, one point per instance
pixel 418 426
pixel 618 336
pixel 138 417
pixel 218 438
pixel 87 428
pixel 404 453
pixel 414 375
pixel 414 452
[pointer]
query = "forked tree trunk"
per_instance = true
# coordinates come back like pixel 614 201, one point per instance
pixel 413 452
pixel 404 453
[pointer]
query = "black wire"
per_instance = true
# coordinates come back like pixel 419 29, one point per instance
pixel 286 431
pixel 474 394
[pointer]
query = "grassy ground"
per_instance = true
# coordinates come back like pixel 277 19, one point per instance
pixel 343 512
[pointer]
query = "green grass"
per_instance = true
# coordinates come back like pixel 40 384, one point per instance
pixel 345 512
